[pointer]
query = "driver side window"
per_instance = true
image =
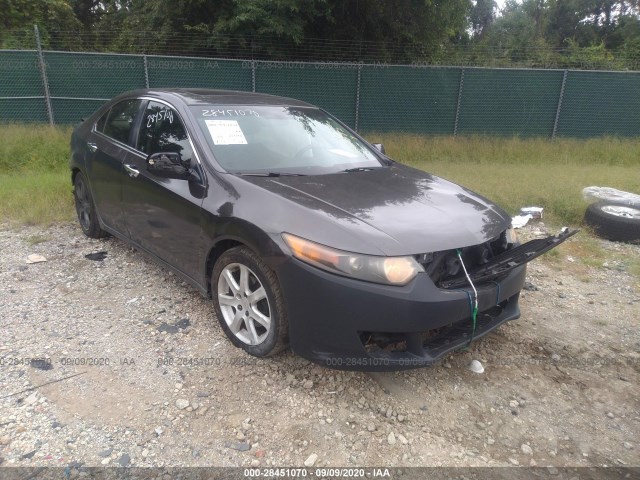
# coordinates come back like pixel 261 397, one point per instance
pixel 163 131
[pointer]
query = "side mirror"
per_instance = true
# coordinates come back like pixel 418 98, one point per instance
pixel 169 165
pixel 380 148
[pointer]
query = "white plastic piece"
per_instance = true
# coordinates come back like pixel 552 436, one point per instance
pixel 520 221
pixel 476 367
pixel 35 258
pixel 535 212
pixel 592 194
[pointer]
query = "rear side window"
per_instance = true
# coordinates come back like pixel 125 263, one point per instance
pixel 120 120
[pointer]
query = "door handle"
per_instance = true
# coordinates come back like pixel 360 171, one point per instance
pixel 133 172
pixel 92 147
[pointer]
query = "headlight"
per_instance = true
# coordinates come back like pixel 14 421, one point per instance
pixel 510 235
pixel 387 270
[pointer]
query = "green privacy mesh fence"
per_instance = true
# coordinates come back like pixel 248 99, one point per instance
pixel 509 102
pixel 369 97
pixel 79 84
pixel 21 93
pixel 408 99
pixel 331 86
pixel 176 72
pixel 600 103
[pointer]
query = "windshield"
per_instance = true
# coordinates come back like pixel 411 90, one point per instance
pixel 281 140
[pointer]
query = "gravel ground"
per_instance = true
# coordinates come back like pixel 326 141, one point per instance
pixel 140 374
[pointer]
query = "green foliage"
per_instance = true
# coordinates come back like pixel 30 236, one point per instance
pixel 482 16
pixel 602 34
pixel 268 28
pixel 591 57
pixel 285 22
pixel 285 19
pixel 631 54
pixel 17 18
pixel 598 34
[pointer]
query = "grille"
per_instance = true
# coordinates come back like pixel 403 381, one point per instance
pixel 445 265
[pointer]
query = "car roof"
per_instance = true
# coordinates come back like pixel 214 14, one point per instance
pixel 205 96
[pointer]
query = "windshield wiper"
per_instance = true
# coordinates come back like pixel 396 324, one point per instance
pixel 271 174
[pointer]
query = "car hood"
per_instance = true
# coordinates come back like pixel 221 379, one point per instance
pixel 398 210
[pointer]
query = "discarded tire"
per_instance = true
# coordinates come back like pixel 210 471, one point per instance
pixel 614 221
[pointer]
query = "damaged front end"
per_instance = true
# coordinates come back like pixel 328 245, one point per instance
pixel 489 261
pixel 487 281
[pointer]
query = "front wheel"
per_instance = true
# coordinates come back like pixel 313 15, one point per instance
pixel 248 302
pixel 86 209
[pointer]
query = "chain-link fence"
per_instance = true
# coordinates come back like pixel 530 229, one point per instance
pixel 63 87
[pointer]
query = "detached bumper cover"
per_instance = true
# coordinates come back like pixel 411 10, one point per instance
pixel 510 259
pixel 331 318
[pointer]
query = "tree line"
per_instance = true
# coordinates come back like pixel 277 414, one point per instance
pixel 533 33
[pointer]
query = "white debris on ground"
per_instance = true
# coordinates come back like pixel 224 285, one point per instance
pixel 476 367
pixel 35 258
pixel 535 212
pixel 520 221
pixel 526 214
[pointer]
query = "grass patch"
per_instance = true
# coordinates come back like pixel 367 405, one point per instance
pixel 35 187
pixel 585 252
pixel 33 148
pixel 516 172
pixel 589 250
pixel 37 198
pixel 36 239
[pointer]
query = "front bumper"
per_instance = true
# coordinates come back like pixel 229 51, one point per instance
pixel 331 317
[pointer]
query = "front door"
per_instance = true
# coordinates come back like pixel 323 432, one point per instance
pixel 163 215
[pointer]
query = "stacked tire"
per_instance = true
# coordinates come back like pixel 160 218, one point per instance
pixel 618 222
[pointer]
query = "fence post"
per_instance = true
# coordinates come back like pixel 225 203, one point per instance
pixel 253 76
pixel 557 120
pixel 358 97
pixel 146 71
pixel 455 123
pixel 43 75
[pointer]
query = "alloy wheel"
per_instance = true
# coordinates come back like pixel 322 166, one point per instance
pixel 621 211
pixel 83 204
pixel 244 304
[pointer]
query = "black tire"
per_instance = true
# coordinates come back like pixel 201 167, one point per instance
pixel 240 313
pixel 86 209
pixel 614 221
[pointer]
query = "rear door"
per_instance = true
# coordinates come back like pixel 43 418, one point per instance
pixel 110 142
pixel 163 215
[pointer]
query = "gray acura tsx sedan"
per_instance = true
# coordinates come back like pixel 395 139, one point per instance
pixel 301 232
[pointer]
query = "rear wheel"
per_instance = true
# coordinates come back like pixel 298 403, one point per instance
pixel 614 221
pixel 249 303
pixel 86 209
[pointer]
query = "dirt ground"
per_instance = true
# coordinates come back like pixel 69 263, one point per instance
pixel 141 374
